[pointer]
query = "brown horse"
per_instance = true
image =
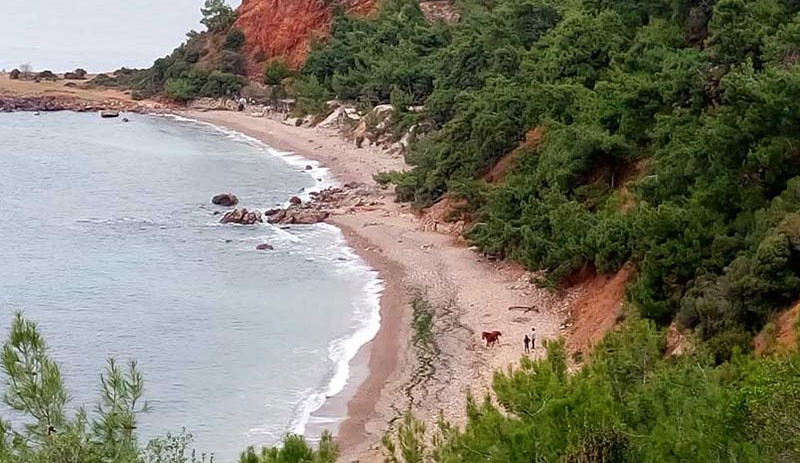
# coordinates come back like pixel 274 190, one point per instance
pixel 491 337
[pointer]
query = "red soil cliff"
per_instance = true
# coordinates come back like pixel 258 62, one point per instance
pixel 286 28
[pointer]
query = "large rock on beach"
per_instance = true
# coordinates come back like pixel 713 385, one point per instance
pixel 225 200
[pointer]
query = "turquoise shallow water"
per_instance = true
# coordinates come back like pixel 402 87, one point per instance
pixel 108 240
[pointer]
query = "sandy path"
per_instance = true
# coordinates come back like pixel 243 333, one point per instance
pixel 468 295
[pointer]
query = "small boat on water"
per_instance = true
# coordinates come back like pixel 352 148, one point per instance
pixel 105 114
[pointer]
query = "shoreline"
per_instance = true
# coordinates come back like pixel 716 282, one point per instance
pixel 417 255
pixel 375 352
pixel 414 256
pixel 381 351
pixel 380 355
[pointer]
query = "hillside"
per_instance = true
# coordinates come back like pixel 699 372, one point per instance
pixel 285 29
pixel 649 144
pixel 590 137
pixel 666 141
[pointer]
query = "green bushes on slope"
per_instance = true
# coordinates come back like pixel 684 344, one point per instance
pixel 208 64
pixel 669 139
pixel 627 404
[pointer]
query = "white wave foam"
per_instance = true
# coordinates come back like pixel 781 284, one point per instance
pixel 366 308
pixel 341 351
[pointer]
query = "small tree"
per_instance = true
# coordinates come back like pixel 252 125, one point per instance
pixel 276 71
pixel 217 15
pixel 234 40
pixel 232 62
pixel 33 388
pixel 180 89
pixel 294 449
pixel 26 70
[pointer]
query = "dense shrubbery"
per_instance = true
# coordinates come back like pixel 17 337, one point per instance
pixel 208 64
pixel 627 404
pixel 275 71
pixel 295 450
pixel 667 138
pixel 366 60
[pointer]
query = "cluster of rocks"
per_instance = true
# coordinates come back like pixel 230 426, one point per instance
pixel 35 103
pixel 295 215
pixel 242 216
pixel 373 127
pixel 322 204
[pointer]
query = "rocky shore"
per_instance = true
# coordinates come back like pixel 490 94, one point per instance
pixel 47 103
pixel 351 198
pixel 66 95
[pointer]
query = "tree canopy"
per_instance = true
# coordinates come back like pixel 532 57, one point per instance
pixel 660 133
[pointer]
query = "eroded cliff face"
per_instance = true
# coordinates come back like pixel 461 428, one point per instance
pixel 286 28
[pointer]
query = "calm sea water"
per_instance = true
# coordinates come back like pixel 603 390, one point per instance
pixel 108 241
pixel 98 35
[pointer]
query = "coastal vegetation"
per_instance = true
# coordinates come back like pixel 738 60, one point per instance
pixel 584 135
pixel 629 403
pixel 207 64
pixel 659 133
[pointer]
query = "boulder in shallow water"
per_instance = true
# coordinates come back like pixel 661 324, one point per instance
pixel 265 247
pixel 295 201
pixel 234 216
pixel 251 217
pixel 225 200
pixel 298 216
pixel 242 216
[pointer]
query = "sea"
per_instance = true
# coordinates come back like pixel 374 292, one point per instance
pixel 109 241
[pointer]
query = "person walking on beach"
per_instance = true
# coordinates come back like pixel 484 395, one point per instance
pixel 527 343
pixel 533 338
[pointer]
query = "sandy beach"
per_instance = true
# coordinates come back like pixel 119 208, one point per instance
pixel 423 261
pixel 466 293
